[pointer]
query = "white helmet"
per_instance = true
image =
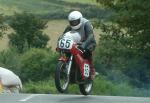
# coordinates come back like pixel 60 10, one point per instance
pixel 75 19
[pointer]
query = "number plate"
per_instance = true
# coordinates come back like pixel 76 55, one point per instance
pixel 86 70
pixel 65 43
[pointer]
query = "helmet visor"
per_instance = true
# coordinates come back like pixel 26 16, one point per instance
pixel 74 22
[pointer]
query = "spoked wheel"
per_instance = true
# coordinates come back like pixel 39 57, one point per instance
pixel 61 78
pixel 86 88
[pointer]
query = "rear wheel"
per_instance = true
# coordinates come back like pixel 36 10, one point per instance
pixel 61 78
pixel 86 88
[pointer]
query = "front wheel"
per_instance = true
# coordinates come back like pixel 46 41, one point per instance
pixel 86 88
pixel 61 78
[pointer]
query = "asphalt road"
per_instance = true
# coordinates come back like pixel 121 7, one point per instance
pixel 50 98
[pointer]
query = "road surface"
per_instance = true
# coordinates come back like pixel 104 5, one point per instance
pixel 51 98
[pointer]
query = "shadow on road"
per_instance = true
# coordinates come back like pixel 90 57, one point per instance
pixel 84 99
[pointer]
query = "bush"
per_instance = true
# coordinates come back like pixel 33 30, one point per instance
pixel 46 86
pixel 102 86
pixel 37 64
pixel 10 59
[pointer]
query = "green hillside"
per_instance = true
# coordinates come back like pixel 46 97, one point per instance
pixel 93 2
pixel 8 7
pixel 51 9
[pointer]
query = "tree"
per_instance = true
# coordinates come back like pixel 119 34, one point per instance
pixel 129 27
pixel 133 16
pixel 28 32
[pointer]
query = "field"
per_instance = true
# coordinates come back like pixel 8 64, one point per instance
pixel 43 7
pixel 8 7
pixel 92 2
pixel 3 43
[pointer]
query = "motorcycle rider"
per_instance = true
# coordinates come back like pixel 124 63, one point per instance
pixel 80 24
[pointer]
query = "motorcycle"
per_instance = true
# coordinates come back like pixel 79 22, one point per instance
pixel 72 67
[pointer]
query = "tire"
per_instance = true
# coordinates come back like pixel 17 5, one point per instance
pixel 86 88
pixel 61 78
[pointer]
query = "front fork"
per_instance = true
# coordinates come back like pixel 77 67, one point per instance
pixel 69 65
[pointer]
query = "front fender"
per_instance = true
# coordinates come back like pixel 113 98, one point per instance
pixel 63 58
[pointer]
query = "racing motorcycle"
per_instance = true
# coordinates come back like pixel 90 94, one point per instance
pixel 72 67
